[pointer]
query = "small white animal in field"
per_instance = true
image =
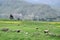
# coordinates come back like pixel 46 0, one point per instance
pixel 46 31
pixel 26 33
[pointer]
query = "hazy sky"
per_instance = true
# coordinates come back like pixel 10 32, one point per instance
pixel 50 2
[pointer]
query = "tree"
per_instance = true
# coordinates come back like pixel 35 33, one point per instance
pixel 11 16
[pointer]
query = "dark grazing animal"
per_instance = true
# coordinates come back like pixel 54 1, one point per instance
pixel 5 29
pixel 17 31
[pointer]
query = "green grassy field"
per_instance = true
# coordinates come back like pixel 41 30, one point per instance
pixel 29 31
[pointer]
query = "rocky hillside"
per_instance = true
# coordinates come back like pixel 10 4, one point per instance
pixel 24 10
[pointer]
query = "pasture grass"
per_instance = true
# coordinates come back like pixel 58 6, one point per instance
pixel 29 27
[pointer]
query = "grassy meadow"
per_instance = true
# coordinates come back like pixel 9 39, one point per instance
pixel 28 30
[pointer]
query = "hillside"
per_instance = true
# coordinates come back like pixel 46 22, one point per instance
pixel 27 10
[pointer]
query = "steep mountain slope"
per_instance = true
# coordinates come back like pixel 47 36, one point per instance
pixel 28 10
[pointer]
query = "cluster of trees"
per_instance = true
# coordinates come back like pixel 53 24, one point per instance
pixel 12 17
pixel 37 19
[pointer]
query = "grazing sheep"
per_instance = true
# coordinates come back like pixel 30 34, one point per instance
pixel 46 31
pixel 26 33
pixel 17 31
pixel 37 28
pixel 52 34
pixel 5 29
pixel 58 35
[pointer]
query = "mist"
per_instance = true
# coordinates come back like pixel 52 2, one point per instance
pixel 49 2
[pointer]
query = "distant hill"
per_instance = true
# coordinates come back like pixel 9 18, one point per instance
pixel 26 10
